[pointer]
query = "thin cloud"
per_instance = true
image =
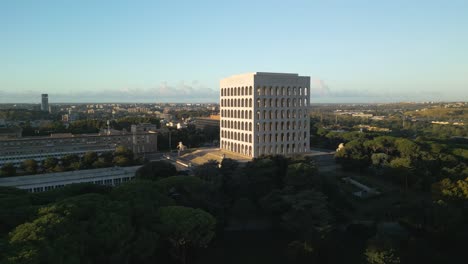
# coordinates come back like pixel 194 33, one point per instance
pixel 162 92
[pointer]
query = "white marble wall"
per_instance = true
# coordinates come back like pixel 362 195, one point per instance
pixel 265 113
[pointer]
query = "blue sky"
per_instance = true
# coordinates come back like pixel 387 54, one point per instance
pixel 153 51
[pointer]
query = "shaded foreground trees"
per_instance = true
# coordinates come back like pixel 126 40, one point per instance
pixel 84 223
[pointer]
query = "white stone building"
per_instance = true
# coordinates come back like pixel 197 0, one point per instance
pixel 265 113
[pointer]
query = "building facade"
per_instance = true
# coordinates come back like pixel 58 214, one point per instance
pixel 45 102
pixel 265 113
pixel 48 181
pixel 204 122
pixel 17 150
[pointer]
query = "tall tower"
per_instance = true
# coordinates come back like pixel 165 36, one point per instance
pixel 45 102
pixel 265 113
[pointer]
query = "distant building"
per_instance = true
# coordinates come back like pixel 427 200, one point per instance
pixel 166 116
pixel 48 181
pixel 45 102
pixel 10 133
pixel 16 150
pixel 265 113
pixel 143 128
pixel 203 122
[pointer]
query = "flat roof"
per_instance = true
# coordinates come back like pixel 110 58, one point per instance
pixel 18 181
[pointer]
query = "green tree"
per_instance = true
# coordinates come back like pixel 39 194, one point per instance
pixel 83 229
pixel 353 156
pixel 15 208
pixel 243 210
pixel 123 151
pixel 260 178
pixel 69 159
pixel 8 170
pixel 189 191
pixel 143 199
pixel 303 213
pixel 301 175
pixel 50 163
pixel 407 148
pixel 155 170
pixel 381 251
pixel 89 158
pixel 122 161
pixel 209 172
pixel 186 228
pixel 402 168
pixel 383 144
pixel 29 166
pixel 452 190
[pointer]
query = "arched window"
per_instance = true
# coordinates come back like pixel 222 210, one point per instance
pixel 250 102
pixel 289 91
pixel 300 91
pixel 250 90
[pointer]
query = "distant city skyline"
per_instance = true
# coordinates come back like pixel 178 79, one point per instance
pixel 155 51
